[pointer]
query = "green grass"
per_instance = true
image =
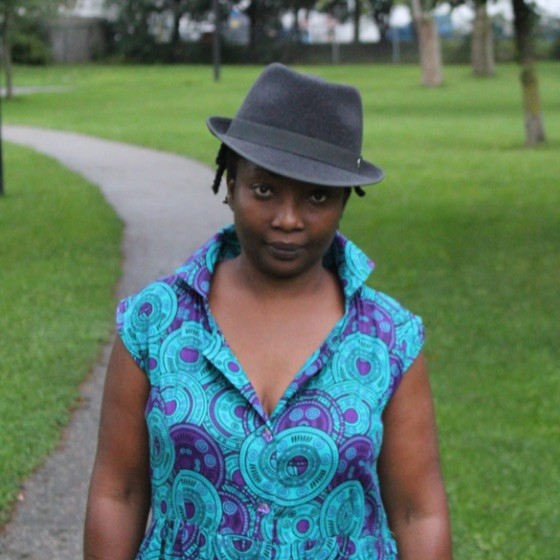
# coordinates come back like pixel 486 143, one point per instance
pixel 60 261
pixel 465 230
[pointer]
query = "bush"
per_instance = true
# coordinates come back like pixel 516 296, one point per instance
pixel 555 49
pixel 31 43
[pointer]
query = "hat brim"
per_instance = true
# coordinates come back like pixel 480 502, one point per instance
pixel 293 165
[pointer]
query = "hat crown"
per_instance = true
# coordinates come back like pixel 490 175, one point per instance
pixel 308 105
pixel 300 127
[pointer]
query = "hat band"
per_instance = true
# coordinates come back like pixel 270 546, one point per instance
pixel 294 143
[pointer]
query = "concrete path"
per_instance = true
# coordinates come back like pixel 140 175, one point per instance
pixel 24 90
pixel 168 208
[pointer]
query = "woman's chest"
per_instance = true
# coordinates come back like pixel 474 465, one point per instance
pixel 325 429
pixel 300 476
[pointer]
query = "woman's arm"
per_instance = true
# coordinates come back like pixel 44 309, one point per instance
pixel 119 493
pixel 411 482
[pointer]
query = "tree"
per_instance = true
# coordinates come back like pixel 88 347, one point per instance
pixel 12 13
pixel 140 24
pixel 482 42
pixel 356 17
pixel 294 7
pixel 381 14
pixel 525 20
pixel 8 13
pixel 428 42
pixel 262 14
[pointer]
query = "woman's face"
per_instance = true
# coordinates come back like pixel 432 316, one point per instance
pixel 284 226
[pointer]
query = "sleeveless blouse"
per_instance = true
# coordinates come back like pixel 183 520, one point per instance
pixel 230 482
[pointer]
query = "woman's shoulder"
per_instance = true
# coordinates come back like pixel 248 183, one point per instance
pixel 157 298
pixel 190 278
pixel 383 305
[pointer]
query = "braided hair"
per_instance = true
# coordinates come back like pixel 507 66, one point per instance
pixel 226 160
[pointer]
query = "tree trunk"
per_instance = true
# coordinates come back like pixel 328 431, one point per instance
pixel 357 16
pixel 482 46
pixel 252 13
pixel 175 33
pixel 429 45
pixel 296 34
pixel 534 128
pixel 7 48
pixel 524 21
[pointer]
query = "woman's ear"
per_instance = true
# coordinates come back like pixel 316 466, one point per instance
pixel 230 184
pixel 347 193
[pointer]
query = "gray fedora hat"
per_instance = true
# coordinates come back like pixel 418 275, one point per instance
pixel 301 127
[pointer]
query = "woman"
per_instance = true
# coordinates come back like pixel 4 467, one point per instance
pixel 262 401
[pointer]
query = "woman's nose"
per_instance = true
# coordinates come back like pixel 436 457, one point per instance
pixel 288 215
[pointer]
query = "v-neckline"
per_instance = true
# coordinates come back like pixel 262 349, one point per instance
pixel 231 367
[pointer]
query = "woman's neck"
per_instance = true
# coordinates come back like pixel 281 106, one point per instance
pixel 246 277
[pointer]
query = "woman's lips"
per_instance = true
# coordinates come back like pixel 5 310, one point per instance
pixel 285 251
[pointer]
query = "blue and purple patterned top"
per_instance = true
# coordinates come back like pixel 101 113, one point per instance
pixel 230 482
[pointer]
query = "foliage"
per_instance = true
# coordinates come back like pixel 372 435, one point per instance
pixel 142 25
pixel 525 22
pixel 555 50
pixel 31 41
pixel 21 24
pixel 143 28
pixel 263 16
pixel 381 13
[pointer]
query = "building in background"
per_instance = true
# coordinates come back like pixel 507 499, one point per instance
pixel 78 35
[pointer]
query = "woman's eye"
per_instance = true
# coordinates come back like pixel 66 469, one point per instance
pixel 262 191
pixel 319 196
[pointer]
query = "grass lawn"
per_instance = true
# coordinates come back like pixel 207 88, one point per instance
pixel 60 261
pixel 465 230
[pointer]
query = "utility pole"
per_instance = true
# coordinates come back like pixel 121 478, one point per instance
pixel 1 147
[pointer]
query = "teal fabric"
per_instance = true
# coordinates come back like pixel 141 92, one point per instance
pixel 231 482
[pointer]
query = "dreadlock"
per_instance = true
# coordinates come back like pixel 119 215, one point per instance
pixel 226 160
pixel 221 161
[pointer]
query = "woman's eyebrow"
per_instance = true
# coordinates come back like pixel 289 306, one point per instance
pixel 268 173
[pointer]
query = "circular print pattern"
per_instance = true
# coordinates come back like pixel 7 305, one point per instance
pixel 356 403
pixel 294 468
pixel 321 549
pixel 179 353
pixel 196 451
pixel 357 461
pixel 237 517
pixel 196 502
pixel 364 359
pixel 222 358
pixel 184 399
pixel 343 510
pixel 160 500
pixel 237 547
pixel 155 309
pixel 299 524
pixel 162 451
pixel 315 409
pixel 228 416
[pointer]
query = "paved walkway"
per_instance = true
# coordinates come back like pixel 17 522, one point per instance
pixel 168 209
pixel 24 90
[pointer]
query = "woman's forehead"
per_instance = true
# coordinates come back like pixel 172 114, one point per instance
pixel 253 172
pixel 250 167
